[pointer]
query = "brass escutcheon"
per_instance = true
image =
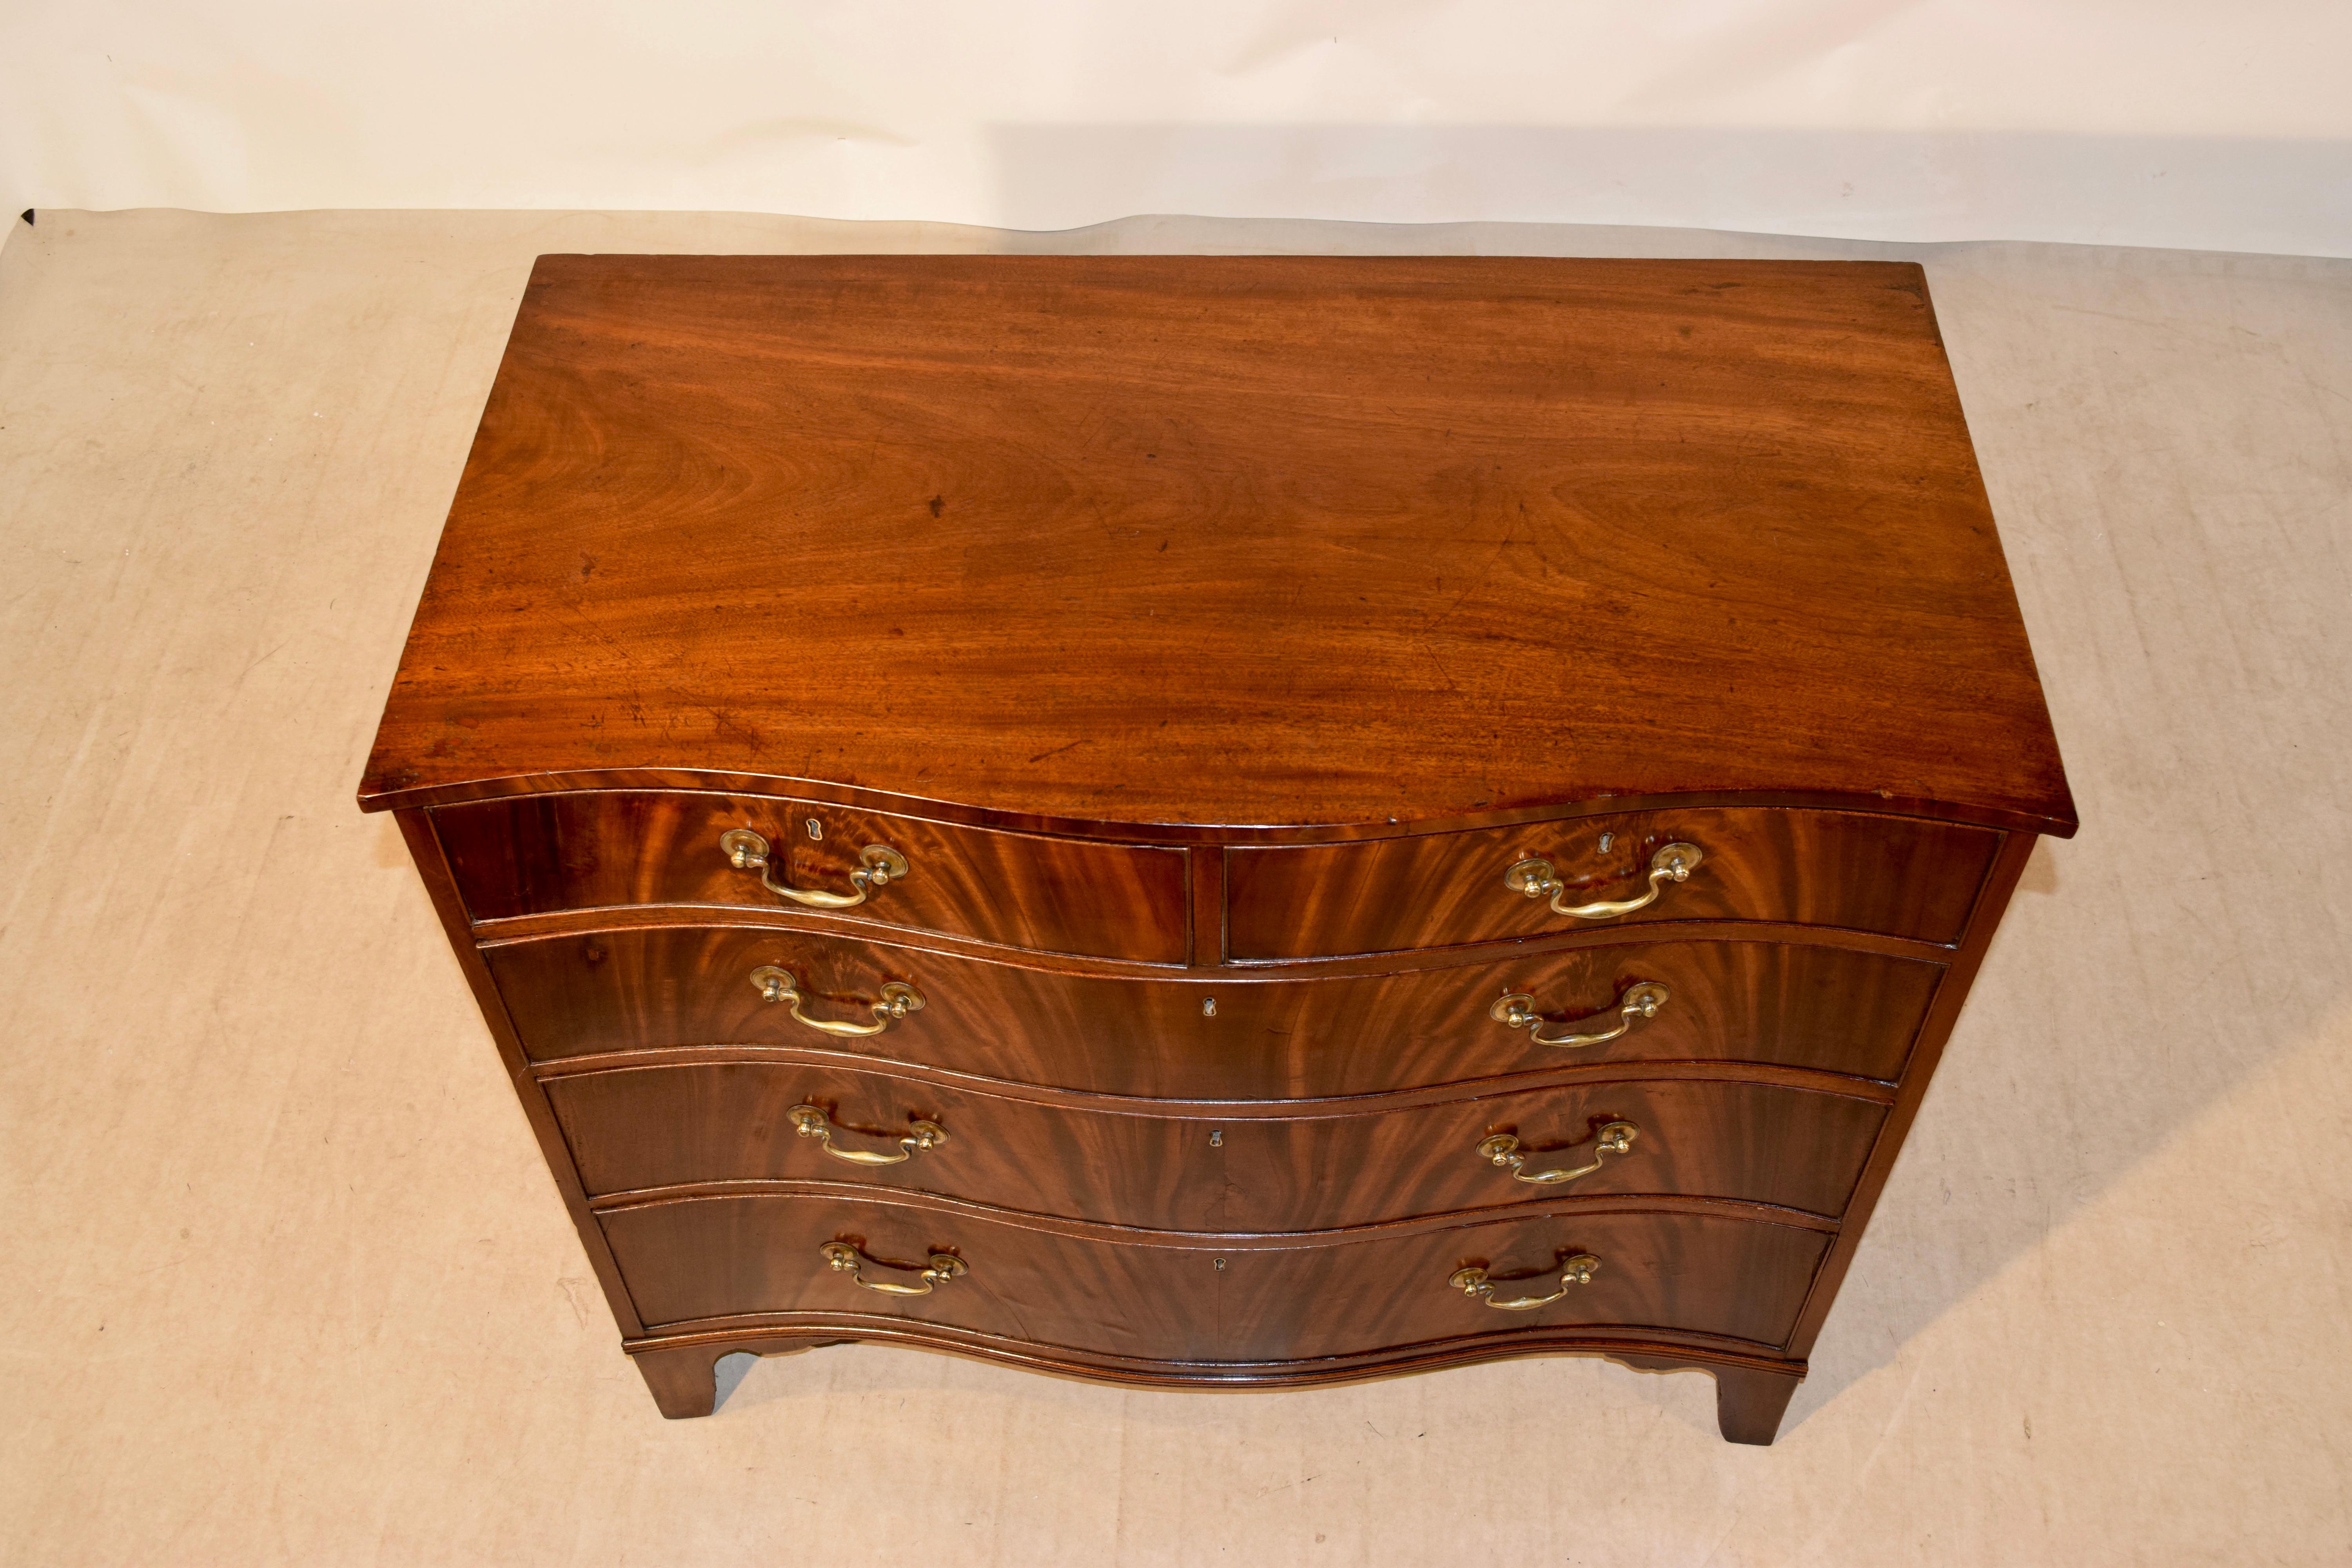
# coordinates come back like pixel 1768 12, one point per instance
pixel 814 1122
pixel 1534 878
pixel 1575 1270
pixel 897 1001
pixel 1503 1150
pixel 843 1259
pixel 878 866
pixel 1638 1004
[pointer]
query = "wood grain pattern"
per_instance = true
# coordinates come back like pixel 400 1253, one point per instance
pixel 1232 539
pixel 705 1260
pixel 1904 877
pixel 1942 1014
pixel 441 887
pixel 1212 635
pixel 1270 1038
pixel 1750 1400
pixel 640 1128
pixel 599 849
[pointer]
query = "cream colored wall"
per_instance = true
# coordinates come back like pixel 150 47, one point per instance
pixel 2166 123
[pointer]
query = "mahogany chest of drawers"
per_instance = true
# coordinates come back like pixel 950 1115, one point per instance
pixel 1221 821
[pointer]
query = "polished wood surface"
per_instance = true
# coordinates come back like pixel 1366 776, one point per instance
pixel 448 908
pixel 1750 1401
pixel 1296 1036
pixel 705 1260
pixel 1210 635
pixel 1230 539
pixel 1904 877
pixel 1926 1051
pixel 594 850
pixel 640 1128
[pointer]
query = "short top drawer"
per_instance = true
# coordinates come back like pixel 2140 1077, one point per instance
pixel 1901 876
pixel 540 854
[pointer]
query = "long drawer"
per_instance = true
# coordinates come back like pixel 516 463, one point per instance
pixel 601 849
pixel 698 1260
pixel 1321 1167
pixel 1902 876
pixel 1213 1037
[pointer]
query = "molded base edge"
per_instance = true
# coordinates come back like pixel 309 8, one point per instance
pixel 1751 1392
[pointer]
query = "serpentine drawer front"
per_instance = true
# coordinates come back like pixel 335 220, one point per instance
pixel 1163 1166
pixel 1221 821
pixel 1227 1034
pixel 1816 868
pixel 547 853
pixel 725 1263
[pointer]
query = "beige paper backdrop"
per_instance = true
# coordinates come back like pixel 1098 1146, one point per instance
pixel 286 1281
pixel 2162 123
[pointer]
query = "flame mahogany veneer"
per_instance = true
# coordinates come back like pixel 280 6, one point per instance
pixel 1207 638
pixel 1275 1035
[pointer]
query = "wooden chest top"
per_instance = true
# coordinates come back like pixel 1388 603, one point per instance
pixel 1331 544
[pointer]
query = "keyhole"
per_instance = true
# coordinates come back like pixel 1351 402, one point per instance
pixel 1217 1139
pixel 1606 841
pixel 1221 1266
pixel 816 830
pixel 1208 1007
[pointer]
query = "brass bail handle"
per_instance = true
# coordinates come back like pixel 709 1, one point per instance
pixel 878 866
pixel 1534 878
pixel 1636 1005
pixel 1503 1150
pixel 814 1122
pixel 844 1259
pixel 1576 1270
pixel 898 1000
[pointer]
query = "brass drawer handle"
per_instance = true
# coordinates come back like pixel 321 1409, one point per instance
pixel 1576 1270
pixel 1502 1149
pixel 846 1259
pixel 879 866
pixel 813 1121
pixel 1639 1004
pixel 898 1000
pixel 1534 878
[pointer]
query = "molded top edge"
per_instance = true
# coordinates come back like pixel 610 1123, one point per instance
pixel 1223 548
